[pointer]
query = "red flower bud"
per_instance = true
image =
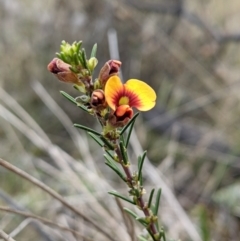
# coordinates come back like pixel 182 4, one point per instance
pixel 98 99
pixel 111 67
pixel 62 71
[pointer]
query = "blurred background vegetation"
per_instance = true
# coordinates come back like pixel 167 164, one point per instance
pixel 187 50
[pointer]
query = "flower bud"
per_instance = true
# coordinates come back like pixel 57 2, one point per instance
pixel 92 63
pixel 62 71
pixel 98 99
pixel 111 67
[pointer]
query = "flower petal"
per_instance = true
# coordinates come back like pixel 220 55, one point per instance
pixel 114 89
pixel 141 95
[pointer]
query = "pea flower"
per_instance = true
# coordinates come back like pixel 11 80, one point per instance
pixel 121 98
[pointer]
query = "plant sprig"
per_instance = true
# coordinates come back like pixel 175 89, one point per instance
pixel 112 102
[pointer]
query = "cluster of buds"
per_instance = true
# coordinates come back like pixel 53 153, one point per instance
pixel 106 97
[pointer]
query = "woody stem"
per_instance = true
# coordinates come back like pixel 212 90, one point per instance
pixel 139 199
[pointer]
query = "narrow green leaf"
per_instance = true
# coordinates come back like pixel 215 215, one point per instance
pixel 157 225
pixel 150 198
pixel 116 171
pixel 130 130
pixel 129 123
pixel 140 178
pixel 157 201
pixel 204 224
pixel 78 88
pixel 80 58
pixel 111 163
pixel 134 215
pixel 75 58
pixel 110 160
pixel 96 138
pixel 116 194
pixel 84 59
pixel 141 238
pixel 83 108
pixel 59 55
pixel 74 70
pixel 162 234
pixel 94 51
pixel 71 49
pixel 69 97
pixel 62 56
pixel 140 165
pixel 107 143
pixel 85 128
pixel 122 139
pixel 79 44
pixel 124 153
pixel 142 220
pixel 110 154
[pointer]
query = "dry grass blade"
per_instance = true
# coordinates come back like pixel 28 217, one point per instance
pixel 17 230
pixel 127 221
pixel 5 236
pixel 43 220
pixel 51 192
pixel 79 140
pixel 154 176
pixel 16 206
pixel 18 109
pixel 69 166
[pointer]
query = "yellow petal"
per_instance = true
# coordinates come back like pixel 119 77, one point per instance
pixel 113 91
pixel 141 95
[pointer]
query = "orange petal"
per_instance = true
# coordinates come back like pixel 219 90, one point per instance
pixel 114 89
pixel 141 95
pixel 124 110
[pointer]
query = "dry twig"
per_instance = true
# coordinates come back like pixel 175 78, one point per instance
pixel 51 192
pixel 5 236
pixel 43 220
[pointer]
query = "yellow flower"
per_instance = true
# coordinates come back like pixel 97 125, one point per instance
pixel 134 93
pixel 121 98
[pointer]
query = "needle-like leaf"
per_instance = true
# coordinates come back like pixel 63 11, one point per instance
pixel 69 97
pixel 142 238
pixel 155 212
pixel 124 153
pixel 84 59
pixel 107 143
pixel 94 51
pixel 111 163
pixel 150 198
pixel 134 215
pixel 129 123
pixel 85 128
pixel 142 221
pixel 96 138
pixel 162 234
pixel 116 194
pixel 140 165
